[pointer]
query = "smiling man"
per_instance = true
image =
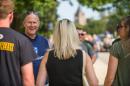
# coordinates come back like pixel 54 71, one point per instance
pixel 40 43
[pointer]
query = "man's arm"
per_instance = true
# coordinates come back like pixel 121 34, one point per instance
pixel 27 74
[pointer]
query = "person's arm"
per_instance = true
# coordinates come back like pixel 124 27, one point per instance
pixel 27 74
pixel 93 58
pixel 92 53
pixel 112 68
pixel 42 74
pixel 90 74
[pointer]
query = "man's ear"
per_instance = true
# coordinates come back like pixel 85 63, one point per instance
pixel 24 22
pixel 11 16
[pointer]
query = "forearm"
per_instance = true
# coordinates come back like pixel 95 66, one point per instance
pixel 27 82
pixel 41 79
pixel 93 81
pixel 111 72
pixel 93 59
pixel 90 74
pixel 108 82
pixel 42 73
pixel 27 75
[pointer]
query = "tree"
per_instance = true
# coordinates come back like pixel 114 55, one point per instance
pixel 96 26
pixel 99 5
pixel 121 9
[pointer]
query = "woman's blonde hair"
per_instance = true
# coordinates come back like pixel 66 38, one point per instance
pixel 66 39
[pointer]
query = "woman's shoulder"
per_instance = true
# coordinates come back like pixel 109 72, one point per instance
pixel 116 41
pixel 116 44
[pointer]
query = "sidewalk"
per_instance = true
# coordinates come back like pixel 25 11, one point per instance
pixel 100 66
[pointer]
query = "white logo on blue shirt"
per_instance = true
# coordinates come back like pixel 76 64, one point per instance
pixel 36 50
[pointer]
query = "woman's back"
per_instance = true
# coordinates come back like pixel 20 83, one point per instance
pixel 64 64
pixel 65 72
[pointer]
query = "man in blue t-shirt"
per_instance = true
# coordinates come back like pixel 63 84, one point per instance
pixel 40 44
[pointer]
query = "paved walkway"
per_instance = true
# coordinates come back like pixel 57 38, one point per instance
pixel 100 66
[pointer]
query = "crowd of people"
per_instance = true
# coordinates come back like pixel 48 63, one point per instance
pixel 26 59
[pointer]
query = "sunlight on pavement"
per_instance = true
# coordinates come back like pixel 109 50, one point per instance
pixel 100 66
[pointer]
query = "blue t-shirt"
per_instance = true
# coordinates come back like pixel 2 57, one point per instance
pixel 40 45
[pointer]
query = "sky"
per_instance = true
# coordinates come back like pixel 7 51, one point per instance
pixel 65 10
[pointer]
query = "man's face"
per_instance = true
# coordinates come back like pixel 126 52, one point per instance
pixel 81 35
pixel 31 24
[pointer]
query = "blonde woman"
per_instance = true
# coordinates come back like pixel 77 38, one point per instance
pixel 63 64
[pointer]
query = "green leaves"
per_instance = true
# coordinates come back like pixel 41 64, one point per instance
pixel 120 8
pixel 96 26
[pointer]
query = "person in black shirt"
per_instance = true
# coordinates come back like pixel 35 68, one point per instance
pixel 64 62
pixel 16 52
